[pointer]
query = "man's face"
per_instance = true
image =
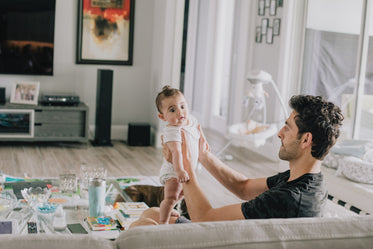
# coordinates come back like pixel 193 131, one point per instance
pixel 290 141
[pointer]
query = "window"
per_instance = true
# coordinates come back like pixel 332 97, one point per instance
pixel 208 61
pixel 335 55
pixel 222 64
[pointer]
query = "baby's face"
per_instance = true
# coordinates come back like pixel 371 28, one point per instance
pixel 175 110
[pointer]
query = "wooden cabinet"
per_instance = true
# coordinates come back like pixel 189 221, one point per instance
pixel 51 123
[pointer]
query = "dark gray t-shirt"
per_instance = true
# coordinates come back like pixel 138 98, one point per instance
pixel 303 197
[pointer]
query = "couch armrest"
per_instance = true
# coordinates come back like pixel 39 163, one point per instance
pixel 346 232
pixel 60 241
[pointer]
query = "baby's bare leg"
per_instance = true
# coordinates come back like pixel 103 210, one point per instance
pixel 172 191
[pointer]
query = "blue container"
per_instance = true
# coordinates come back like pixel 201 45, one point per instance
pixel 96 191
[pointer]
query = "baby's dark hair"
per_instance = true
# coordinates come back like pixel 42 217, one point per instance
pixel 167 91
pixel 321 118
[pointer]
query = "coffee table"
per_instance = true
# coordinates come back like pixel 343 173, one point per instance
pixel 75 207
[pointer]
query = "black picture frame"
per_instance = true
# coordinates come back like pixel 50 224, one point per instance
pixel 98 41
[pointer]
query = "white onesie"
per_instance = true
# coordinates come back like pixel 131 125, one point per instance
pixel 173 133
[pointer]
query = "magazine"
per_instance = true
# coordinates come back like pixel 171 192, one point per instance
pixel 132 208
pixel 102 223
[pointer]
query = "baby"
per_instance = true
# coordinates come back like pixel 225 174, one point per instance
pixel 173 109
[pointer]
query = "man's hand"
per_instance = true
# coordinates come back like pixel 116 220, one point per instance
pixel 204 147
pixel 166 151
pixel 187 156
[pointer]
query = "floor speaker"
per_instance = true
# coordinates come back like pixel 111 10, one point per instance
pixel 103 108
pixel 2 95
pixel 138 134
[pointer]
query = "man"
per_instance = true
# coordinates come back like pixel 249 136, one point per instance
pixel 307 136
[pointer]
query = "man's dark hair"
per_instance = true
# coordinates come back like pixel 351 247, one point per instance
pixel 167 91
pixel 319 117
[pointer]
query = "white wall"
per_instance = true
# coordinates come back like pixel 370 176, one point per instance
pixel 266 57
pixel 131 84
pixel 342 16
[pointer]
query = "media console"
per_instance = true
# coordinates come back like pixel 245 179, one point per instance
pixel 44 123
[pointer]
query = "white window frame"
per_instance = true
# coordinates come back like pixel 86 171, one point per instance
pixel 241 44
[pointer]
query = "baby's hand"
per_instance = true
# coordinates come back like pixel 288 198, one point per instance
pixel 182 176
pixel 175 213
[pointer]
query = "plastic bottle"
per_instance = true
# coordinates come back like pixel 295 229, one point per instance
pixel 59 220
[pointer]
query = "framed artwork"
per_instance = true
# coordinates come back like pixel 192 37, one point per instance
pixel 258 34
pixel 269 37
pixel 261 8
pixel 273 8
pixel 265 22
pixel 105 32
pixel 276 26
pixel 25 93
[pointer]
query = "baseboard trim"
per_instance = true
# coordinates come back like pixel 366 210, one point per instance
pixel 118 132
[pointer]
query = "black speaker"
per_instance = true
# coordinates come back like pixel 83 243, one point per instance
pixel 138 134
pixel 2 95
pixel 103 107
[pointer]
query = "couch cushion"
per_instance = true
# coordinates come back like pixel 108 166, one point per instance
pixel 346 232
pixel 51 241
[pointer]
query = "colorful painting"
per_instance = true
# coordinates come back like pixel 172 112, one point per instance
pixel 105 32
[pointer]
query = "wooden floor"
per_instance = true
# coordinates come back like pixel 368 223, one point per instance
pixel 52 159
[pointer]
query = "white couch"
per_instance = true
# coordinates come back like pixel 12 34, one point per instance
pixel 347 232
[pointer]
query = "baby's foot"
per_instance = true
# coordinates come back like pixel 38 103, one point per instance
pixel 182 176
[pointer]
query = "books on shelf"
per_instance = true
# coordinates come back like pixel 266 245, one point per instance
pixel 102 223
pixel 132 208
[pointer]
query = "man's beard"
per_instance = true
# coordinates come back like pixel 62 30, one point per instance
pixel 290 152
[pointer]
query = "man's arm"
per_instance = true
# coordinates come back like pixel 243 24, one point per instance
pixel 237 183
pixel 199 207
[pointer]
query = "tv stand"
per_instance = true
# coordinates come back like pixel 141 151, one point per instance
pixel 49 123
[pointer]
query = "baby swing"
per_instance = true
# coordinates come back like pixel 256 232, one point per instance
pixel 252 132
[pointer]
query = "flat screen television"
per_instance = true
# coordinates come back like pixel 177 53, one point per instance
pixel 27 36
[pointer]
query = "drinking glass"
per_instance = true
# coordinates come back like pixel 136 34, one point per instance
pixel 84 177
pixel 91 171
pixel 68 183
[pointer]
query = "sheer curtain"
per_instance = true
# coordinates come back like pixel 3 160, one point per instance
pixel 330 64
pixel 330 61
